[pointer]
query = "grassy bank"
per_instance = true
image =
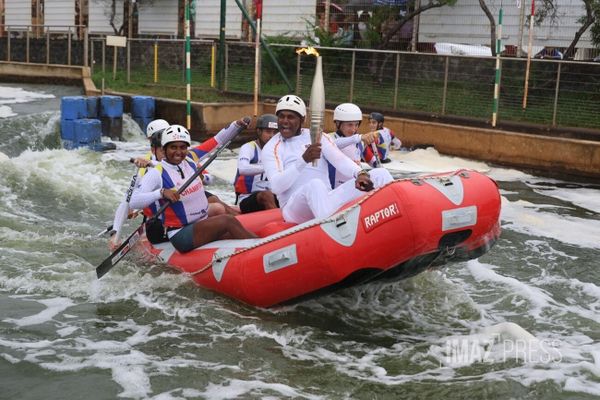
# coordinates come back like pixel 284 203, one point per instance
pixel 464 98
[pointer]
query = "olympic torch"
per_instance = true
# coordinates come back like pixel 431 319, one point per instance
pixel 317 98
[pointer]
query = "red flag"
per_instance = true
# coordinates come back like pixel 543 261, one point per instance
pixel 258 7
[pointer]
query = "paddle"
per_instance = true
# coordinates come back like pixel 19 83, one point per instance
pixel 127 245
pixel 377 163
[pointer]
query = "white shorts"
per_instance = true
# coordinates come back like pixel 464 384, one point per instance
pixel 315 199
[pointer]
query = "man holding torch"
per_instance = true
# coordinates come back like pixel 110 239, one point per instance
pixel 298 169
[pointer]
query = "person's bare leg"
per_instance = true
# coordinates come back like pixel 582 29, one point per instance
pixel 215 209
pixel 228 209
pixel 219 227
pixel 266 199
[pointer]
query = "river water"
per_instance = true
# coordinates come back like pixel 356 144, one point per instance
pixel 145 331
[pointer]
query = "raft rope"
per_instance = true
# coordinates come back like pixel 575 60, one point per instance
pixel 335 217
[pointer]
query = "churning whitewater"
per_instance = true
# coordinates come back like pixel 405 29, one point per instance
pixel 521 321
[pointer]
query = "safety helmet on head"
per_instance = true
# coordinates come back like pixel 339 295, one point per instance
pixel 347 112
pixel 175 133
pixel 267 121
pixel 156 126
pixel 376 116
pixel 291 102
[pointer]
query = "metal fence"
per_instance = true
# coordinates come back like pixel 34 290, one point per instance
pixel 561 93
pixel 57 44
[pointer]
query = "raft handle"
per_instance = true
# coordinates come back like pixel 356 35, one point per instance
pixel 280 258
pixel 446 182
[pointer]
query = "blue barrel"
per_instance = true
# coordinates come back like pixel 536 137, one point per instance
pixel 142 106
pixel 73 107
pixel 67 129
pixel 87 131
pixel 111 106
pixel 92 107
pixel 143 123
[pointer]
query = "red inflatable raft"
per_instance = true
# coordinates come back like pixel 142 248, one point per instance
pixel 391 233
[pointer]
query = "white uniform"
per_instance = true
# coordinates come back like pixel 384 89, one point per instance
pixel 191 207
pixel 123 210
pixel 351 147
pixel 389 140
pixel 303 190
pixel 250 175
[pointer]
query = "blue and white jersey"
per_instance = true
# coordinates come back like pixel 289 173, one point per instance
pixel 250 176
pixel 351 146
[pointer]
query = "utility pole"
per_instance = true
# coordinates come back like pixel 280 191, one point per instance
pixel 130 19
pixel 188 71
pixel 326 19
pixel 521 28
pixel 415 30
pixel 221 55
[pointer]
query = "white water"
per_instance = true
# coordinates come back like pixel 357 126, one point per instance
pixel 16 95
pixel 144 331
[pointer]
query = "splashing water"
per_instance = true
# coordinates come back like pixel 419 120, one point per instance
pixel 145 331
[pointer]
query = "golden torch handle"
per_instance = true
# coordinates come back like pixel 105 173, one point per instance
pixel 316 130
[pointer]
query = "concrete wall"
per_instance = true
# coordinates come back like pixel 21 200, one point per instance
pixel 551 154
pixel 42 71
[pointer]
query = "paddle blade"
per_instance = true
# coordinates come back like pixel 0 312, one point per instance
pixel 118 254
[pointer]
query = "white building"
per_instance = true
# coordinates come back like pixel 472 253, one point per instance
pixel 463 23
pixel 59 15
pixel 160 17
pixel 99 13
pixel 466 23
pixel 17 14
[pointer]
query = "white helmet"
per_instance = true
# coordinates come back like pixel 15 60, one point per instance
pixel 155 126
pixel 175 133
pixel 292 103
pixel 347 112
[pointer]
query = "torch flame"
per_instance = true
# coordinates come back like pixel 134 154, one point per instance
pixel 308 51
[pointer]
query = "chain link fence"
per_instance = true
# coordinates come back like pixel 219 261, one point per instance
pixel 560 93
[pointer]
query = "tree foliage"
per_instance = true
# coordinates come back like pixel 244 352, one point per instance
pixel 592 18
pixel 383 25
pixel 548 12
pixel 413 11
pixel 112 7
